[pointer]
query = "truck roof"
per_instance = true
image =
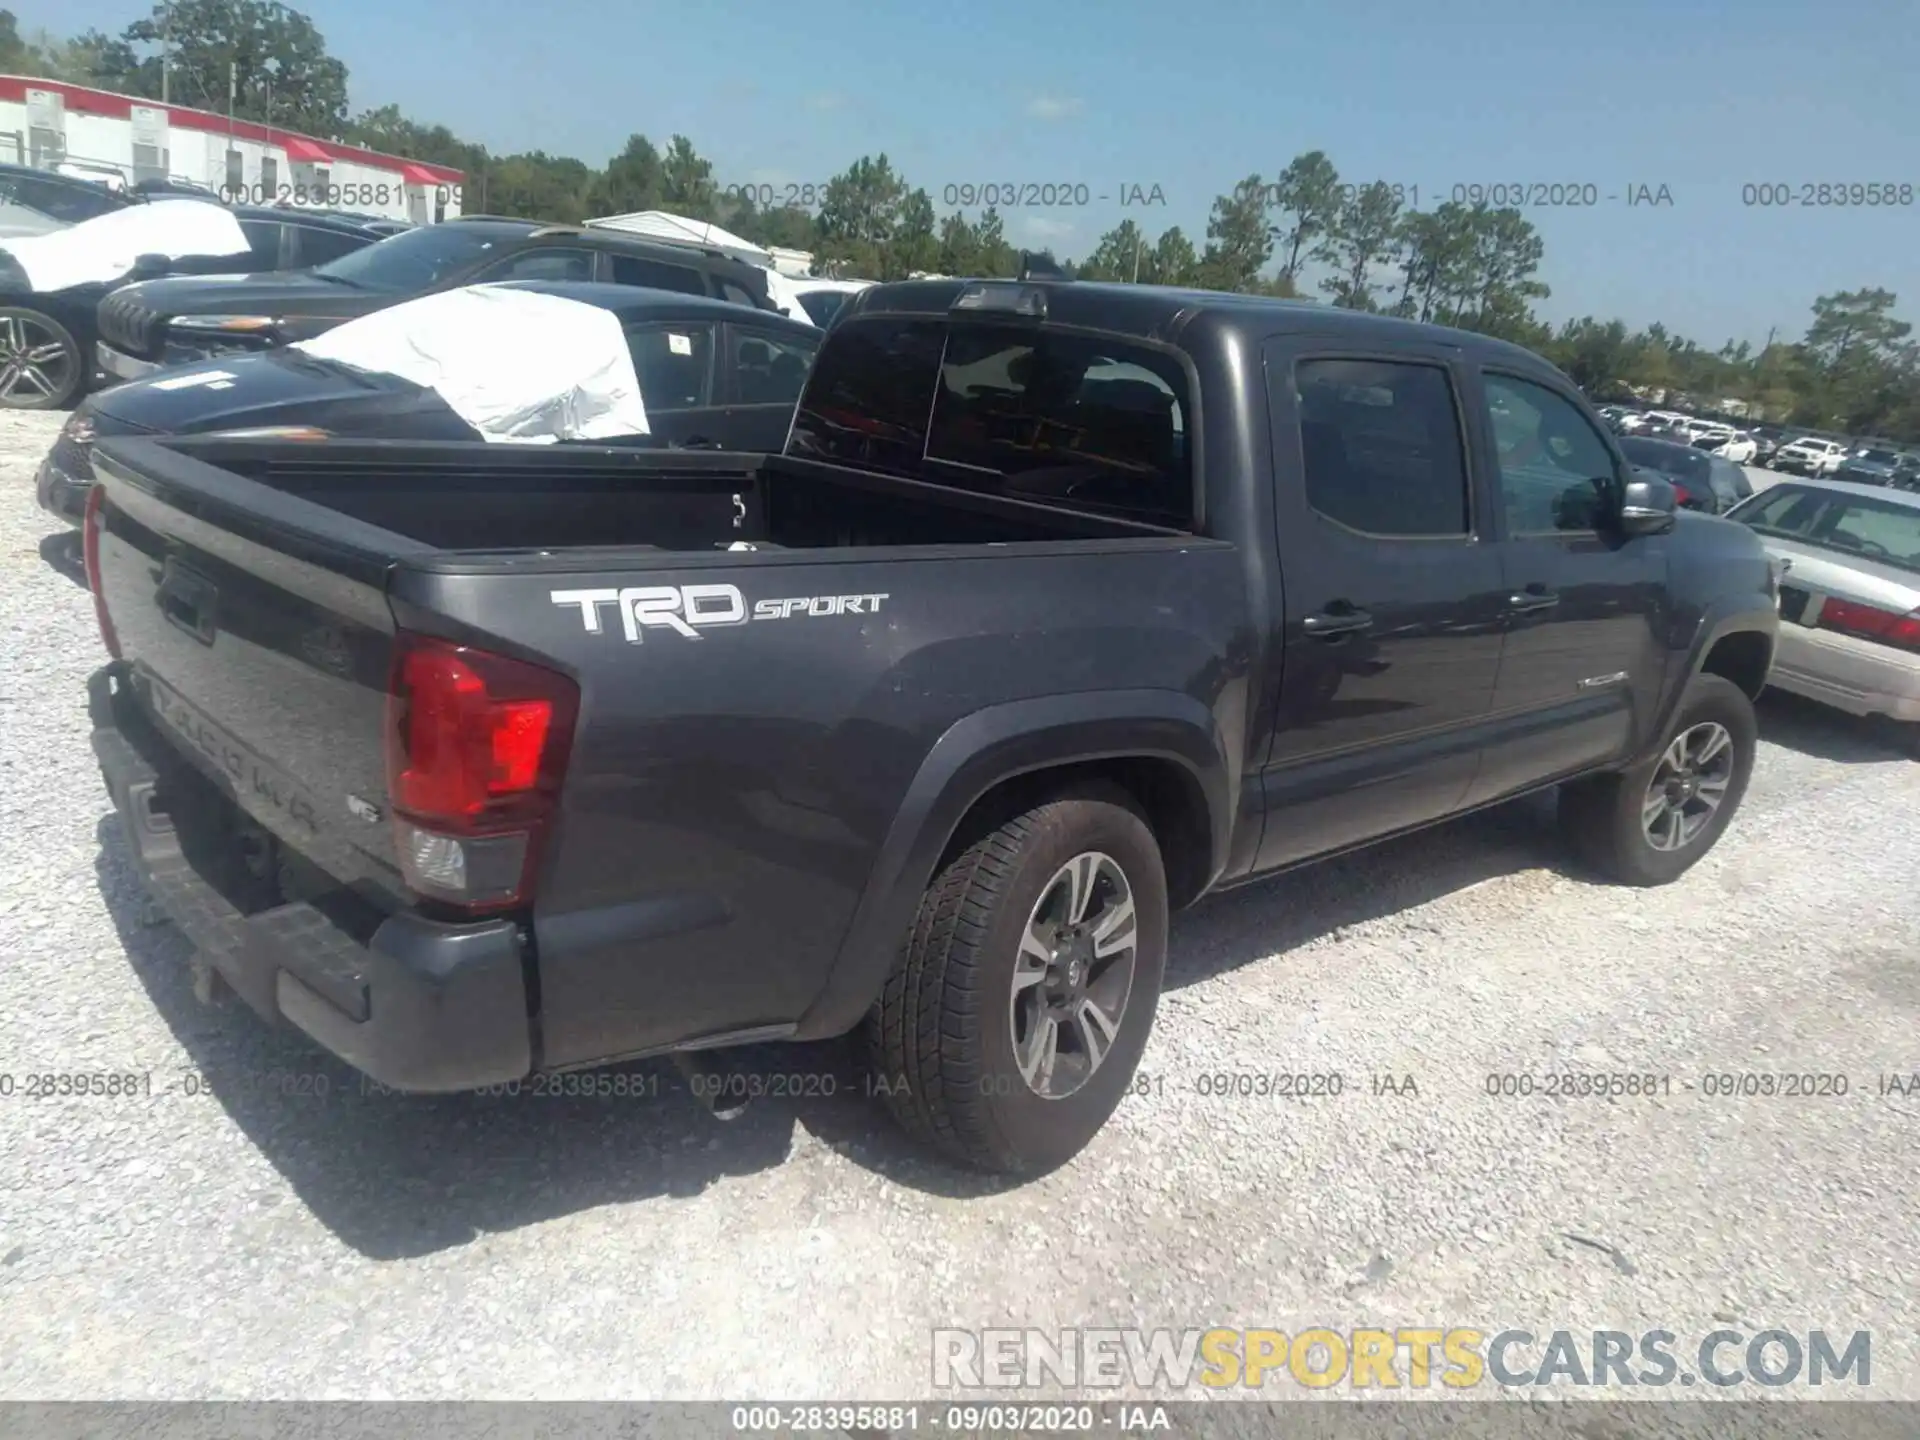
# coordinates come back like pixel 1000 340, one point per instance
pixel 1159 311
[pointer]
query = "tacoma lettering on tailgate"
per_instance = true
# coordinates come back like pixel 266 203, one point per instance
pixel 689 609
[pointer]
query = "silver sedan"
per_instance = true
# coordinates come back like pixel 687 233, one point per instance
pixel 1850 594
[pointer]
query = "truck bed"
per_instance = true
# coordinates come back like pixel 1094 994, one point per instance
pixel 731 788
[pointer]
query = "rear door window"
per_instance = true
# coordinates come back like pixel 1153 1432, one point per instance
pixel 674 364
pixel 768 369
pixel 309 245
pixel 1380 448
pixel 657 275
pixel 264 238
pixel 545 263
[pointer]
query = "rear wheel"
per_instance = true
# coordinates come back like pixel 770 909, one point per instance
pixel 1650 824
pixel 1023 997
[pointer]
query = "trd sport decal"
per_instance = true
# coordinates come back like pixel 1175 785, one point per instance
pixel 689 609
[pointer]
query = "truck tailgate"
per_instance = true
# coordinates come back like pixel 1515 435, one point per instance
pixel 259 646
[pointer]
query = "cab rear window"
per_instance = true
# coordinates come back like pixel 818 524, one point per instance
pixel 1086 422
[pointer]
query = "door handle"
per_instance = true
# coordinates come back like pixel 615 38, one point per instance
pixel 1337 619
pixel 1534 597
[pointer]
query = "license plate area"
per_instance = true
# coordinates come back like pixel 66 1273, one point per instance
pixel 254 784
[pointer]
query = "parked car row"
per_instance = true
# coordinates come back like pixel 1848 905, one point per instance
pixel 142 300
pixel 1742 447
pixel 52 283
pixel 1793 452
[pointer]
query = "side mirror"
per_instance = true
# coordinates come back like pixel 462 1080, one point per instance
pixel 1647 505
pixel 145 267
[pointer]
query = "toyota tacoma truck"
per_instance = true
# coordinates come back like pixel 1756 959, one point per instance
pixel 1063 606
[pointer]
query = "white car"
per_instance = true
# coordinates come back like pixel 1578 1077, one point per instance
pixel 822 299
pixel 1810 455
pixel 1725 441
pixel 1849 595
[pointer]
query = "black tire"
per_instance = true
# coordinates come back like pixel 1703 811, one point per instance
pixel 1602 817
pixel 25 333
pixel 941 1038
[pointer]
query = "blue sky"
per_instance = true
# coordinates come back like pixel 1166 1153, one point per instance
pixel 1193 96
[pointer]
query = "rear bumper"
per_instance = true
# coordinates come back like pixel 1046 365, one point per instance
pixel 415 1005
pixel 1858 676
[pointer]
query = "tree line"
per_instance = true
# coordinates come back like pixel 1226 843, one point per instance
pixel 1303 234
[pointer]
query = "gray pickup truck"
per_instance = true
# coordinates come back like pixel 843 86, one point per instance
pixel 1064 606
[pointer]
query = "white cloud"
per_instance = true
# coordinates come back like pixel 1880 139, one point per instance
pixel 1055 107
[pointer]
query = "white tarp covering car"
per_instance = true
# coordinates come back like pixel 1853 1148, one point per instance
pixel 517 365
pixel 107 247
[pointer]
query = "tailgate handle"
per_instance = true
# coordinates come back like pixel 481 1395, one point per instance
pixel 187 600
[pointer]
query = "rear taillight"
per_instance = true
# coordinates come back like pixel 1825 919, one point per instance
pixel 477 746
pixel 1681 495
pixel 90 527
pixel 1870 622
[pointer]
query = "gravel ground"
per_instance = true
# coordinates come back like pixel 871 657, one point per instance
pixel 216 1241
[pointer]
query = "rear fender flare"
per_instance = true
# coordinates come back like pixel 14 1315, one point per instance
pixel 983 750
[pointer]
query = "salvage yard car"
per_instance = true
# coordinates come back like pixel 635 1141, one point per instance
pixel 711 376
pixel 1869 465
pixel 1728 443
pixel 1850 598
pixel 1701 480
pixel 1809 455
pixel 51 285
pixel 1064 605
pixel 176 322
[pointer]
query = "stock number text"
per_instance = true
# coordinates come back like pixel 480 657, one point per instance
pixel 1865 196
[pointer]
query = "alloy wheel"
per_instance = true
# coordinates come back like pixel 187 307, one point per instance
pixel 1688 786
pixel 35 364
pixel 1074 975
